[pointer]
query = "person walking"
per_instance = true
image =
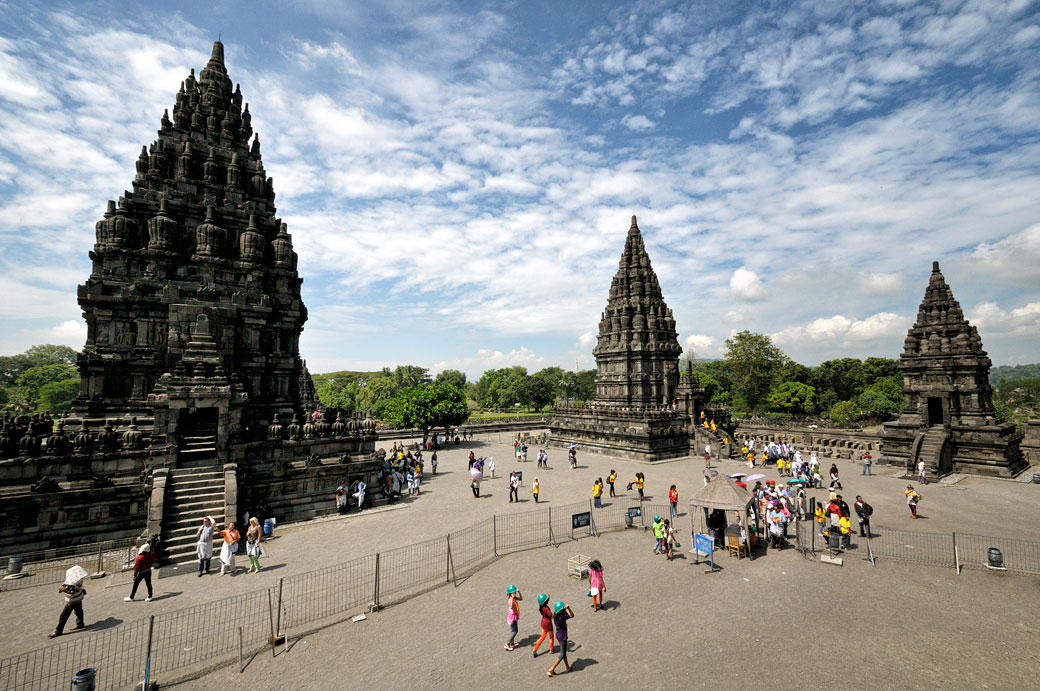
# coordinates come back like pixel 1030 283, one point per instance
pixel 845 526
pixel 535 489
pixel 863 511
pixel 253 550
pixel 561 614
pixel 669 539
pixel 228 549
pixel 921 472
pixel 597 492
pixel 204 544
pixel 673 502
pixel 597 586
pixel 658 535
pixel 491 467
pixel 142 571
pixel 514 487
pixel 707 455
pixel 912 498
pixel 640 481
pixel 433 462
pixel 513 615
pixel 611 479
pixel 547 625
pixel 74 593
pixel 868 460
pixel 834 477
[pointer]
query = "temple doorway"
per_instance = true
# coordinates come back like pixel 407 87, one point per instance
pixel 935 412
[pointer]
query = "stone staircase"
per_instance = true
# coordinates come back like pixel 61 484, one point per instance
pixel 931 446
pixel 191 495
pixel 198 450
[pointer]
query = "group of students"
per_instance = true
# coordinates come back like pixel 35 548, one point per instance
pixel 553 618
pixel 664 537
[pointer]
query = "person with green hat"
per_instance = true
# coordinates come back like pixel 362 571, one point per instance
pixel 513 615
pixel 658 535
pixel 547 625
pixel 561 614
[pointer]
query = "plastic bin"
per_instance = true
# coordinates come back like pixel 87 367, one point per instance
pixel 83 680
pixel 268 527
pixel 14 565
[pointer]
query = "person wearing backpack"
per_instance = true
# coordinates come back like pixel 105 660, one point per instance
pixel 863 511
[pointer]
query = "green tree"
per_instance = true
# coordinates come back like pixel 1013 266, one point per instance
pixel 12 366
pixel 33 379
pixel 374 393
pixel 407 376
pixel 875 368
pixel 844 412
pixel 794 398
pixel 56 397
pixel 427 407
pixel 544 386
pixel 453 377
pixel 754 363
pixel 718 370
pixel 797 372
pixel 579 386
pixel 843 376
pixel 883 399
pixel 334 393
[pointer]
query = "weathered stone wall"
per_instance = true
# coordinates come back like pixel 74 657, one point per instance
pixel 828 443
pixel 40 520
pixel 1031 442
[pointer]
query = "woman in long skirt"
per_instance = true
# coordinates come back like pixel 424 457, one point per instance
pixel 228 549
pixel 204 546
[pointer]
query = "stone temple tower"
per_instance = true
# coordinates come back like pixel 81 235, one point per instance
pixel 194 277
pixel 637 353
pixel 637 371
pixel 948 418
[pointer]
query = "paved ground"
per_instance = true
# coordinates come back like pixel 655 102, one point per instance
pixel 665 612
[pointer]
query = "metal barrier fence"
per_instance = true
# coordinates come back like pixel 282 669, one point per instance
pixel 1019 556
pixel 936 549
pixel 47 567
pixel 203 634
pixel 338 589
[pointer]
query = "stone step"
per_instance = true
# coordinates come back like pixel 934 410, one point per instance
pixel 177 496
pixel 195 510
pixel 201 473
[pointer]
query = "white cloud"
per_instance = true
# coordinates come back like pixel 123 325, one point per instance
pixel 745 284
pixel 839 330
pixel 71 331
pixel 875 283
pixel 991 320
pixel 637 123
pixel 702 345
pixel 587 340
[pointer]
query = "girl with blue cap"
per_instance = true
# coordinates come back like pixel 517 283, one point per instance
pixel 513 615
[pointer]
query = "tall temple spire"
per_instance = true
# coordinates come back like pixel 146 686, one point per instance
pixel 638 349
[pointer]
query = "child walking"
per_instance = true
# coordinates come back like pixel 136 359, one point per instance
pixel 547 625
pixel 596 585
pixel 562 614
pixel 513 615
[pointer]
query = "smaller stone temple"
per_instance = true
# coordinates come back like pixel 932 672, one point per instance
pixel 948 418
pixel 636 412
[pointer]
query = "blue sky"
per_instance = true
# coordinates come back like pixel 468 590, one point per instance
pixel 459 177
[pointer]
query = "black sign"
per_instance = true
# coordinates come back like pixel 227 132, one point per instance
pixel 635 511
pixel 581 520
pixel 519 475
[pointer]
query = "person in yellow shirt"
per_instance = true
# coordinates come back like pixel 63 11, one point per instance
pixel 821 518
pixel 611 479
pixel 846 531
pixel 713 428
pixel 597 492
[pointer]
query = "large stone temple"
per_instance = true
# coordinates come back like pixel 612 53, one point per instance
pixel 641 409
pixel 192 381
pixel 948 418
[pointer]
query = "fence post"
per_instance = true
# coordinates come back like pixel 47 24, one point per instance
pixel 451 564
pixel 148 653
pixel 278 626
pixel 241 667
pixel 956 555
pixel 270 615
pixel 494 534
pixel 100 565
pixel 552 541
pixel 375 594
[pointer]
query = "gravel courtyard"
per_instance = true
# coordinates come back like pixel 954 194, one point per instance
pixel 666 623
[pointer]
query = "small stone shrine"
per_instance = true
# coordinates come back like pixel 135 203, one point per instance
pixel 636 412
pixel 192 382
pixel 948 418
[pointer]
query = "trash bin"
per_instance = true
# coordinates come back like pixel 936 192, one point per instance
pixel 14 565
pixel 834 539
pixel 995 558
pixel 628 520
pixel 1036 478
pixel 83 680
pixel 268 527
